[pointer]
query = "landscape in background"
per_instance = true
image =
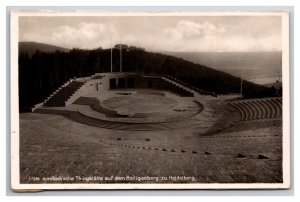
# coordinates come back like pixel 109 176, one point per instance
pixel 135 113
pixel 258 67
pixel 38 59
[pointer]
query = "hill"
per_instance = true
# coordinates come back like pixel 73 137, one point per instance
pixel 275 84
pixel 259 67
pixel 44 72
pixel 31 47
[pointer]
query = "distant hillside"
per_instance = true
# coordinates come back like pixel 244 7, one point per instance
pixel 31 47
pixel 259 67
pixel 274 84
pixel 43 73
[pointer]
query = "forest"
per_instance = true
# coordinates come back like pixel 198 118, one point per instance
pixel 42 73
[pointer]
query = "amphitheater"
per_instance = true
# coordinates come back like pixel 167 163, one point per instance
pixel 132 124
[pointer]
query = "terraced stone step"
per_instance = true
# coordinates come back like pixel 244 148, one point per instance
pixel 87 120
pixel 95 104
pixel 256 109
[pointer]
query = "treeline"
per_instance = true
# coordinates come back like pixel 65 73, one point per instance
pixel 42 73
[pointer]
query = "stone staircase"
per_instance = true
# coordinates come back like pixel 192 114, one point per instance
pixel 61 96
pixel 187 86
pixel 181 87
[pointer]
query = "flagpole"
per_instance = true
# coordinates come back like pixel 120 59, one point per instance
pixel 241 86
pixel 111 68
pixel 241 90
pixel 120 57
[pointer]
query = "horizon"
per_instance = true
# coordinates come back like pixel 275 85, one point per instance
pixel 262 51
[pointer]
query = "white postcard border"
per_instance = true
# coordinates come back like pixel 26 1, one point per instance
pixel 15 173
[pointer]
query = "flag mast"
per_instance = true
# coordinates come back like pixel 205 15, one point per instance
pixel 111 66
pixel 241 87
pixel 120 55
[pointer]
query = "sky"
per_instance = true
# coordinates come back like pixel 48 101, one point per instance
pixel 154 33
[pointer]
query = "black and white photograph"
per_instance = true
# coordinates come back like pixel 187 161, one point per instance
pixel 150 100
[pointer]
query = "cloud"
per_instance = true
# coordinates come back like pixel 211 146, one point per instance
pixel 209 37
pixel 83 35
pixel 156 34
pixel 191 30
